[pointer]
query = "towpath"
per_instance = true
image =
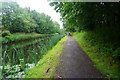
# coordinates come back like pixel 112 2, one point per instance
pixel 75 63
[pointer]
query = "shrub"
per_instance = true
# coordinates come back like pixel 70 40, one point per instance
pixel 6 33
pixel 116 54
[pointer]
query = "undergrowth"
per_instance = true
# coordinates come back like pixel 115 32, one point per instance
pixel 100 53
pixel 46 66
pixel 30 53
pixel 20 36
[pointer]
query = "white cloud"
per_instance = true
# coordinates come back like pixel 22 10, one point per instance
pixel 41 6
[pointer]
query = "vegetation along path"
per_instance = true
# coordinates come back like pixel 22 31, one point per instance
pixel 74 63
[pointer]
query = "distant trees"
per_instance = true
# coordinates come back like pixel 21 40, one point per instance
pixel 17 19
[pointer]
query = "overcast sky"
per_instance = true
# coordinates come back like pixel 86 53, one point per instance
pixel 41 6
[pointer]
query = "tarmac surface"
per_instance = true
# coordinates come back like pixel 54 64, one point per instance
pixel 75 63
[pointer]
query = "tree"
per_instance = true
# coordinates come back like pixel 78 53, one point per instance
pixel 17 19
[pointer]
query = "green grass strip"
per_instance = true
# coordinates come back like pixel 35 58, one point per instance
pixel 21 36
pixel 47 65
pixel 101 62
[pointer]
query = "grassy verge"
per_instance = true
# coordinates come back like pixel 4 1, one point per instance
pixel 21 36
pixel 46 67
pixel 101 62
pixel 28 52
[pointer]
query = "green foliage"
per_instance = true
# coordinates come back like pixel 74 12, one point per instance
pixel 104 44
pixel 17 19
pixel 21 37
pixel 30 53
pixel 87 16
pixel 5 33
pixel 103 59
pixel 116 54
pixel 50 60
pixel 100 20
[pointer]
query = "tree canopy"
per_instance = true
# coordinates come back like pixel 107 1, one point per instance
pixel 17 19
pixel 99 20
pixel 78 16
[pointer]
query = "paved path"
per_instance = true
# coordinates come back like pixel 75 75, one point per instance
pixel 74 63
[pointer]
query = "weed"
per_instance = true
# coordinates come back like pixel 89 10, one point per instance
pixel 100 53
pixel 30 53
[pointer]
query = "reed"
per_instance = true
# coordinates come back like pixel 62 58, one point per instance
pixel 17 60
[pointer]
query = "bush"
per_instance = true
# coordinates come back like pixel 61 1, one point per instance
pixel 116 54
pixel 6 33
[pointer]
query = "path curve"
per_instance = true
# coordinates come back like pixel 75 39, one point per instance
pixel 75 63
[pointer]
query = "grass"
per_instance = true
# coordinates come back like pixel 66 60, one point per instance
pixel 48 62
pixel 21 36
pixel 30 51
pixel 102 63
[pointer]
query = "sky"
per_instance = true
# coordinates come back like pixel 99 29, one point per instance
pixel 41 6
